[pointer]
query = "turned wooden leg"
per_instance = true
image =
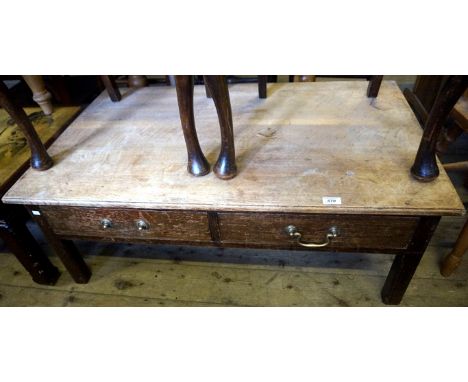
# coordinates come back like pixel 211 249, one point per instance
pixel 207 91
pixel 262 86
pixel 40 94
pixel 448 136
pixel 137 81
pixel 197 164
pixel 453 259
pixel 65 249
pixel 374 86
pixel 112 88
pixel 425 165
pixel 22 244
pixel 40 160
pixel 405 265
pixel 225 167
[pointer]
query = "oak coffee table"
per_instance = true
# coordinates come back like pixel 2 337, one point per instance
pixel 320 167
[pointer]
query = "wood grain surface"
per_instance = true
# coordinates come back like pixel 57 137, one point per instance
pixel 304 142
pixel 373 232
pixel 168 225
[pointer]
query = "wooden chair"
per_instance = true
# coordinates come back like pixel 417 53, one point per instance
pixel 13 230
pixel 40 160
pixel 225 167
pixel 425 167
pixel 372 89
pixel 459 123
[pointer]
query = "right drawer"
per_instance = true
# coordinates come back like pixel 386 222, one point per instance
pixel 355 232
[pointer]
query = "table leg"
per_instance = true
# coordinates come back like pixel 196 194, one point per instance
pixel 197 163
pixel 453 259
pixel 22 244
pixel 225 167
pixel 112 88
pixel 262 86
pixel 65 249
pixel 40 94
pixel 405 265
pixel 425 165
pixel 374 86
pixel 40 160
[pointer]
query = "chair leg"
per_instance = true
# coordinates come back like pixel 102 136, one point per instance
pixel 197 163
pixel 225 167
pixel 40 160
pixel 448 136
pixel 374 86
pixel 262 86
pixel 425 165
pixel 40 94
pixel 137 81
pixel 112 88
pixel 453 259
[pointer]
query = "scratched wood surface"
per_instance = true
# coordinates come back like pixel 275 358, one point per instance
pixel 305 141
pixel 14 151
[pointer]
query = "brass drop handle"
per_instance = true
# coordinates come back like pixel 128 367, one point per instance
pixel 292 231
pixel 106 223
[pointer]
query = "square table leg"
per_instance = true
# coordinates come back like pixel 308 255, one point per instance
pixel 65 250
pixel 405 264
pixel 22 244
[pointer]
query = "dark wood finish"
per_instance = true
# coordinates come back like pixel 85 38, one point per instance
pixel 417 106
pixel 137 81
pixel 197 164
pixel 207 91
pixel 426 89
pixel 355 232
pixel 425 164
pixel 457 123
pixel 65 249
pixel 374 86
pixel 167 225
pixel 405 265
pixel 213 223
pixel 448 136
pixel 262 86
pixel 22 244
pixel 405 236
pixel 112 88
pixel 452 261
pixel 225 167
pixel 40 160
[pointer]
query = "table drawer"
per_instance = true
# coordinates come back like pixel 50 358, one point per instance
pixel 186 226
pixel 355 232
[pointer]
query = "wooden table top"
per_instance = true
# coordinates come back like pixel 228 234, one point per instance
pixel 304 142
pixel 14 152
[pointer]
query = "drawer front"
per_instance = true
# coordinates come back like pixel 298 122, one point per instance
pixel 355 232
pixel 184 226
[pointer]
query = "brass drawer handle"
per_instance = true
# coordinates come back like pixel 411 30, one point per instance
pixel 106 223
pixel 292 231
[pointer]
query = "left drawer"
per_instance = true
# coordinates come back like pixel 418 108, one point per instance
pixel 115 223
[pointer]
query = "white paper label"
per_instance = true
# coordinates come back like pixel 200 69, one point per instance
pixel 34 212
pixel 331 200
